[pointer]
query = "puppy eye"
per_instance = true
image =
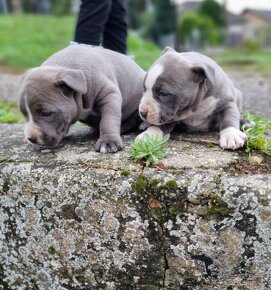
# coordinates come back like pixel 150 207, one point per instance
pixel 163 94
pixel 46 113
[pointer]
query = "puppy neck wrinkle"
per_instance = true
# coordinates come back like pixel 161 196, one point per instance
pixel 79 104
pixel 202 93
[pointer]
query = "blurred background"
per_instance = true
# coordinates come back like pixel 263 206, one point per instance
pixel 236 33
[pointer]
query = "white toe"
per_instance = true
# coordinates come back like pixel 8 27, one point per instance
pixel 103 149
pixel 151 131
pixel 140 137
pixel 232 138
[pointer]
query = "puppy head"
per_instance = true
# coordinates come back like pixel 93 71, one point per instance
pixel 50 99
pixel 173 86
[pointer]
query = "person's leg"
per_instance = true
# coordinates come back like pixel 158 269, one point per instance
pixel 115 33
pixel 92 17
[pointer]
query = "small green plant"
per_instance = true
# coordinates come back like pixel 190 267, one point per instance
pixel 150 150
pixel 259 135
pixel 251 45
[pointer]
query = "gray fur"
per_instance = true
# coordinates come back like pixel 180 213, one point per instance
pixel 192 91
pixel 97 86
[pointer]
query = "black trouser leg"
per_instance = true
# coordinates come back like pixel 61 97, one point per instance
pixel 92 18
pixel 115 32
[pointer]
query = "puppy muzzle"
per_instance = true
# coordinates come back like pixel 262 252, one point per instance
pixel 159 120
pixel 35 136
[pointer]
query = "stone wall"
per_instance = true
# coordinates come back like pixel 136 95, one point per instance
pixel 71 218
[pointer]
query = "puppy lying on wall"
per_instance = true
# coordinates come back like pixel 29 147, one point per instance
pixel 97 86
pixel 191 90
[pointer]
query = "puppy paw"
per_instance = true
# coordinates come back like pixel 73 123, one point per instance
pixel 151 131
pixel 109 143
pixel 232 138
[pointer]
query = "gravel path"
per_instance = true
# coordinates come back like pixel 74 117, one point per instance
pixel 8 86
pixel 256 88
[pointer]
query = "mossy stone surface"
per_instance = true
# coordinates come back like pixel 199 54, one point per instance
pixel 71 219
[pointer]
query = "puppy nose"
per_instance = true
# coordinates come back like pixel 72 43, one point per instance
pixel 32 140
pixel 144 114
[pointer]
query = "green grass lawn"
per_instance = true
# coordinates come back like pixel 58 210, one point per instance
pixel 9 113
pixel 241 60
pixel 26 41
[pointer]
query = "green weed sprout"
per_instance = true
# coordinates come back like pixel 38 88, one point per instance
pixel 150 150
pixel 259 136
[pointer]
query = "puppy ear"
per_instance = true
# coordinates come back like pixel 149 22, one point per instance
pixel 71 79
pixel 199 74
pixel 20 92
pixel 168 49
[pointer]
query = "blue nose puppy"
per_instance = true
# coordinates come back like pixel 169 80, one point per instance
pixel 191 90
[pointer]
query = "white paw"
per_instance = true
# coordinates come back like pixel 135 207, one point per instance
pixel 151 131
pixel 232 138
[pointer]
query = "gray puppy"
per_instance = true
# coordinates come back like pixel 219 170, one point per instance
pixel 97 86
pixel 191 90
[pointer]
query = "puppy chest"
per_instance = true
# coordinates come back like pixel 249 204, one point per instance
pixel 90 118
pixel 203 114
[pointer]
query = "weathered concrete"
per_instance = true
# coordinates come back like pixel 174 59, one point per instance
pixel 71 218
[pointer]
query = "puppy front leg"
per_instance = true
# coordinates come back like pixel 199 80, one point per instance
pixel 157 131
pixel 230 135
pixel 110 140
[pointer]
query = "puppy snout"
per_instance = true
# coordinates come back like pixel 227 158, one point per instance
pixel 143 114
pixel 33 140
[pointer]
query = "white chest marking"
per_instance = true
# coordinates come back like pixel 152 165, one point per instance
pixel 205 109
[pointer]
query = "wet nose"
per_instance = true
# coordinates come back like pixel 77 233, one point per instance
pixel 32 140
pixel 144 114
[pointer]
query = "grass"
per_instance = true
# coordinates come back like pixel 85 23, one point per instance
pixel 9 113
pixel 145 52
pixel 237 59
pixel 259 135
pixel 26 41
